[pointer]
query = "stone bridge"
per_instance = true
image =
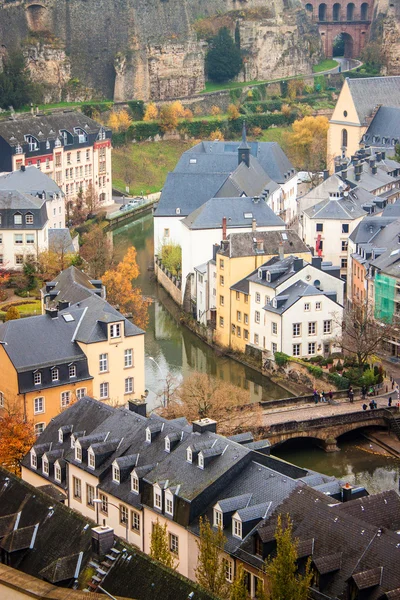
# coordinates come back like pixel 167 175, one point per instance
pixel 326 430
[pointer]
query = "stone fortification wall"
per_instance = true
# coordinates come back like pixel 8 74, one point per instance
pixel 385 29
pixel 144 49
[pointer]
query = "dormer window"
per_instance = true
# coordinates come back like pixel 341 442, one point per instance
pixel 157 501
pixel 169 504
pixel 47 145
pixel 57 472
pixel 167 445
pixel 200 461
pixel 29 219
pixel 72 441
pixel 82 135
pixel 237 528
pixel 37 378
pixel 45 466
pixel 148 435
pixel 78 453
pixel 134 483
pixel 54 374
pixel 60 436
pixel 259 274
pixel 17 219
pixel 189 455
pixel 91 459
pixel 218 522
pixel 33 459
pixel 268 276
pixel 72 371
pixel 18 150
pixel 116 476
pixel 32 142
pixel 115 330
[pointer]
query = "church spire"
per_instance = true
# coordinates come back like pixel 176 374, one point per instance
pixel 244 148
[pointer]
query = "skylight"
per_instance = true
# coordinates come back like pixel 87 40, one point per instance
pixel 68 318
pixel 248 215
pixel 284 236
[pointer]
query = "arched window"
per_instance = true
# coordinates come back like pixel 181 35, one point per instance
pixel 336 12
pixel 364 11
pixel 344 138
pixel 350 11
pixel 309 8
pixel 322 12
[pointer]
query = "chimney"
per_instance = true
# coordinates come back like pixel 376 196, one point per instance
pixel 297 264
pixel 52 312
pixel 326 174
pixel 281 251
pixel 374 170
pixel 102 539
pixel 138 406
pixel 254 225
pixel 203 425
pixel 23 168
pixel 216 247
pixel 371 162
pixel 347 490
pixel 378 156
pixel 383 155
pixel 63 304
pixel 223 228
pixel 316 262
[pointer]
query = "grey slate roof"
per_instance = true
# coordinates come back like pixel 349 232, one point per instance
pixel 291 295
pixel 385 126
pixel 71 285
pixel 210 214
pixel 60 240
pixel 46 127
pixel 94 311
pixel 370 92
pixel 369 229
pixel 251 181
pixel 392 210
pixel 242 244
pixel 47 342
pixel 342 209
pixel 16 200
pixel 31 181
pixel 234 503
pixel 256 511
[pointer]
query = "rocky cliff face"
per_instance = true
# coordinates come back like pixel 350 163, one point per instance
pixel 149 48
pixel 386 30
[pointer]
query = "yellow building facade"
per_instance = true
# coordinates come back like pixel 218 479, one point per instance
pixel 239 256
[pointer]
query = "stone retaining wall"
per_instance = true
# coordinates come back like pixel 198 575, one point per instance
pixel 170 283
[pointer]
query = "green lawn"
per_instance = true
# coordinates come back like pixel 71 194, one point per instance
pixel 273 134
pixel 325 65
pixel 26 308
pixel 147 164
pixel 211 86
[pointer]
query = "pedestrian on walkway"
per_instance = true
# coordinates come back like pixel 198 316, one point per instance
pixel 330 395
pixel 365 406
pixel 363 391
pixel 372 405
pixel 323 397
pixel 316 397
pixel 390 401
pixel 350 393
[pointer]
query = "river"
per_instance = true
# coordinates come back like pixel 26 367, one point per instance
pixel 178 352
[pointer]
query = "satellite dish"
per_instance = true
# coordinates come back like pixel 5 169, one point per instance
pixel 345 194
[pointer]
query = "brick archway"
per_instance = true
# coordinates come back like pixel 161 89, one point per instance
pixel 334 17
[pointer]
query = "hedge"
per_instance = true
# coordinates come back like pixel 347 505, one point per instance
pixel 342 383
pixel 281 359
pixel 316 371
pixel 266 105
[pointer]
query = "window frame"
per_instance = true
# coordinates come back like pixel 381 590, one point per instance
pixel 123 515
pixel 91 459
pixel 134 487
pixel 237 529
pixel 90 495
pixel 39 428
pixel 115 331
pixel 72 371
pixel 116 474
pixel 128 358
pixel 37 378
pixel 135 517
pixel 104 385
pixel 33 460
pixel 77 488
pixel 65 394
pixel 218 518
pixel 35 410
pixel 173 543
pixel 103 361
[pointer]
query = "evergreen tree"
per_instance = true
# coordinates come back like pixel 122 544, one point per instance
pixel 16 87
pixel 285 583
pixel 223 60
pixel 159 549
pixel 239 588
pixel 210 571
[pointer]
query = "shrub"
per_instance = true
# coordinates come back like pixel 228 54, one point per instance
pixel 12 313
pixel 256 131
pixel 215 110
pixel 151 112
pixel 281 359
pixel 187 114
pixel 137 109
pixel 216 135
pixel 171 257
pixel 317 359
pixel 315 371
pixel 342 383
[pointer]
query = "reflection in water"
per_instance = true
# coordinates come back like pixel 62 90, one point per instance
pixel 176 350
pixel 375 472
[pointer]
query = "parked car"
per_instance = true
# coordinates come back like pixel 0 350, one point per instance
pixel 304 177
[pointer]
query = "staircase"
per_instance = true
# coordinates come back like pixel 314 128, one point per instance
pixel 102 569
pixel 393 422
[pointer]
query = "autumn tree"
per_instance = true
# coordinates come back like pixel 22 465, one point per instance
pixel 4 277
pixel 171 257
pixel 12 314
pixel 284 580
pixel 361 334
pixel 121 293
pixel 16 438
pixel 168 117
pixel 97 252
pixel 233 112
pixel 91 199
pixel 210 570
pixel 79 211
pixel 217 135
pixel 151 113
pixel 306 145
pixel 159 547
pixel 239 587
pixel 200 396
pixel 215 110
pixel 119 120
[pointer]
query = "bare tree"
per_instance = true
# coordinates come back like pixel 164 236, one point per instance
pixel 361 334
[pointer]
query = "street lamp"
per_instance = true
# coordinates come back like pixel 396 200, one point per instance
pixel 99 501
pixel 162 375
